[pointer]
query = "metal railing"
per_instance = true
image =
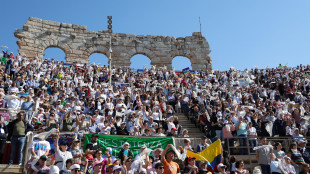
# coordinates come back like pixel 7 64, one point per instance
pixel 237 150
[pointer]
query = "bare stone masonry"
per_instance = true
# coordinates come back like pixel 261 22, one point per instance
pixel 79 43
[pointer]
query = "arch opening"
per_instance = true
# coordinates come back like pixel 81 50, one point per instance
pixel 99 59
pixel 181 62
pixel 54 53
pixel 140 61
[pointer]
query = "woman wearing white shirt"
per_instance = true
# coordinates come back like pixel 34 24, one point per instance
pixel 252 133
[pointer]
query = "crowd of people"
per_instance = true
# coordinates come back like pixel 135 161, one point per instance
pixel 235 106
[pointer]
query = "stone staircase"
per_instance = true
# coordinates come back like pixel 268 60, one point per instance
pixel 4 169
pixel 193 131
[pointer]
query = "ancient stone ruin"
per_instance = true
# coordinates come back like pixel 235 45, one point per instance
pixel 79 43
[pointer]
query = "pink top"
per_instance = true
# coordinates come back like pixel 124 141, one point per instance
pixel 228 131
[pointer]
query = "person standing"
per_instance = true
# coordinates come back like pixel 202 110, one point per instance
pixel 202 145
pixel 263 156
pixel 18 129
pixel 3 136
pixel 167 156
pixel 61 153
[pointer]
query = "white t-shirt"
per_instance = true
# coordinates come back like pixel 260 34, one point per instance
pixel 252 131
pixel 170 126
pixel 40 147
pixel 61 158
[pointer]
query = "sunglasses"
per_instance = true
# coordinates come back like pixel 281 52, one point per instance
pixel 160 167
pixel 129 161
pixel 76 170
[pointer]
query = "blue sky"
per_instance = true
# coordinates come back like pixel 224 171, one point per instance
pixel 241 33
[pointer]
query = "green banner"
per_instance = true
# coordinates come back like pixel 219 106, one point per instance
pixel 116 143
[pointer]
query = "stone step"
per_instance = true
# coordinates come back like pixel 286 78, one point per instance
pixel 196 135
pixel 4 169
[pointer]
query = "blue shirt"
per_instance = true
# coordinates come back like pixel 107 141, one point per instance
pixel 274 167
pixel 242 129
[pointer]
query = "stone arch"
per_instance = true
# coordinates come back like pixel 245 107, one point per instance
pixel 144 51
pixel 97 49
pixel 53 44
pixel 180 68
pixel 102 62
pixel 132 59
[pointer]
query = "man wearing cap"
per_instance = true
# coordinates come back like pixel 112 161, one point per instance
pixel 125 152
pixel 203 144
pixel 121 130
pixel 75 169
pixel 88 164
pixel 304 151
pixel 167 156
pixel 39 165
pixel 117 169
pixel 221 168
pixel 92 146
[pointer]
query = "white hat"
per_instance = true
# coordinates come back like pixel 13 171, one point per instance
pixel 116 167
pixel 142 170
pixel 126 143
pixel 220 165
pixel 143 146
pixel 154 124
pixel 54 170
pixel 75 166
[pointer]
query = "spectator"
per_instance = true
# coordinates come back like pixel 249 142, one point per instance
pixel 39 147
pixel 159 168
pixel 240 168
pixel 3 136
pixel 75 169
pixel 92 146
pixel 167 156
pixel 18 129
pixel 125 153
pixel 190 167
pixel 39 165
pixel 98 155
pixel 263 156
pixel 242 132
pixel 221 168
pixel 97 167
pixel 203 144
pixel 304 168
pixel 296 156
pixel 67 169
pixel 61 154
pixel 76 152
pixel 287 166
pixel 28 106
pixel 275 167
pixel 278 150
pixel 304 151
